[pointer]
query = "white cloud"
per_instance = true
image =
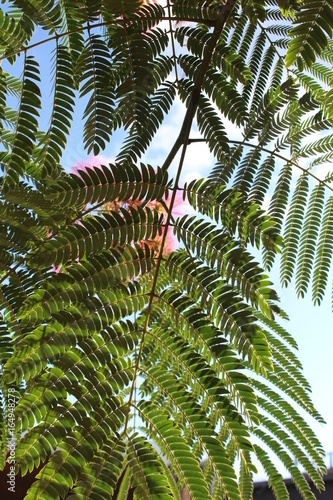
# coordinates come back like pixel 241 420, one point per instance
pixel 198 160
pixel 322 170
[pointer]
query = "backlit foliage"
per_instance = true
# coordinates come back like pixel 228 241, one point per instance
pixel 138 329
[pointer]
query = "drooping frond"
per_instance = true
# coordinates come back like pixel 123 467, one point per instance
pixel 230 208
pixel 13 36
pixel 278 204
pixel 108 184
pixel 14 162
pixel 95 233
pixel 293 229
pixel 54 141
pixel 99 87
pixel 323 253
pixel 44 13
pixel 138 64
pixel 137 142
pixel 230 258
pixel 312 27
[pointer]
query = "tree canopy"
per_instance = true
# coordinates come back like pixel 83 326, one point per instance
pixel 138 333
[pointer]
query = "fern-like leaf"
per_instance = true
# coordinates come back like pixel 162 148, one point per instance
pixel 312 26
pixel 14 163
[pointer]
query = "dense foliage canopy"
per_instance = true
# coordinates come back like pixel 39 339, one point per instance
pixel 134 359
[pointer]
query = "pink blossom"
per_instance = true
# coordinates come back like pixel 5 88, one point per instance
pixel 179 206
pixel 171 242
pixel 90 162
pixel 178 209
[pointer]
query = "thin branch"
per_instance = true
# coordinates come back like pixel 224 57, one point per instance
pixel 172 43
pixel 264 31
pixel 173 223
pixel 273 153
pixel 183 138
pixel 126 21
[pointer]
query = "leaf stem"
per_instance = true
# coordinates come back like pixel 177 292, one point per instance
pixel 174 56
pixel 273 153
pixel 182 140
pixel 195 94
pixel 58 36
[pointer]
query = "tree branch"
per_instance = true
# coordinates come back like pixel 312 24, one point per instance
pixel 273 153
pixel 182 139
pixel 195 95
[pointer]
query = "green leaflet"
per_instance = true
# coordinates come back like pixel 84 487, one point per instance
pixel 230 260
pixel 278 485
pixel 161 102
pixel 109 183
pixel 148 477
pixel 213 346
pixel 98 85
pixel 323 253
pixel 273 443
pixel 99 478
pixel 293 229
pixel 312 26
pixel 244 179
pixel 309 238
pixel 12 35
pixel 196 420
pixel 44 13
pixel 106 270
pixel 54 141
pixel 245 482
pixel 224 57
pixel 262 180
pixel 277 206
pixel 16 160
pixel 213 393
pixel 94 234
pixel 269 105
pixel 230 208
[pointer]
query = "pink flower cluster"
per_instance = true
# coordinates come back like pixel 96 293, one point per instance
pixel 179 207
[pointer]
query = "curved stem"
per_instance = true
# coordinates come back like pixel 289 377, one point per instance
pixel 58 36
pixel 273 153
pixel 182 140
pixel 174 56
